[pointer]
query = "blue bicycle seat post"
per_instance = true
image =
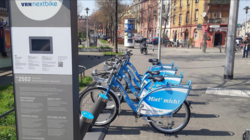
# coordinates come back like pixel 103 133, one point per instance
pixel 86 119
pixel 98 107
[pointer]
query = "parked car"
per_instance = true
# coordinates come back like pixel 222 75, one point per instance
pixel 105 37
pixel 168 42
pixel 149 41
pixel 155 40
pixel 142 40
pixel 137 37
pixel 119 40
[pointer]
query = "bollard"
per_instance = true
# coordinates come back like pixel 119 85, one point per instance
pixel 97 108
pixel 86 120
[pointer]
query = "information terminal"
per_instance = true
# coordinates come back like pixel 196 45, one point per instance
pixel 45 69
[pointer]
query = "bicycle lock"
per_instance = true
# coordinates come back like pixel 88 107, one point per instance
pixel 86 120
pixel 98 107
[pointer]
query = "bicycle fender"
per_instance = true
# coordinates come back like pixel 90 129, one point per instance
pixel 115 96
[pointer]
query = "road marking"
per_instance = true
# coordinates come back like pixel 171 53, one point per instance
pixel 228 92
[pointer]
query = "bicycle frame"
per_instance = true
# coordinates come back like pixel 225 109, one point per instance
pixel 144 79
pixel 160 100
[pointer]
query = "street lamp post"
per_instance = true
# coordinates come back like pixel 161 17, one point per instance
pixel 231 36
pixel 159 40
pixel 246 8
pixel 155 13
pixel 87 11
pixel 94 27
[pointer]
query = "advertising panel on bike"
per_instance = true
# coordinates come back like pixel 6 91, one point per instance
pixel 164 101
pixel 42 38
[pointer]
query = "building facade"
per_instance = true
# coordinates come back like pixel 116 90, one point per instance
pixel 192 18
pixel 136 14
pixel 166 17
pixel 245 28
pixel 147 18
pixel 5 61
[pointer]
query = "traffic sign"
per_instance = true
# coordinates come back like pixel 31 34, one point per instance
pixel 199 27
pixel 214 26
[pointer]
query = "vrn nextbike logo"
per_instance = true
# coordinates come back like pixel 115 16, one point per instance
pixel 38 4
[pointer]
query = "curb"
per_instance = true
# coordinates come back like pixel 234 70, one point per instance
pixel 3 74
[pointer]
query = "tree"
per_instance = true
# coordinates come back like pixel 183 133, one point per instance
pixel 107 9
pixel 79 8
pixel 147 15
pixel 166 15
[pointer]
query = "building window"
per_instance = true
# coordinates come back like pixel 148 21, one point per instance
pixel 195 35
pixel 168 8
pixel 2 3
pixel 196 15
pixel 187 17
pixel 180 3
pixel 163 8
pixel 174 2
pixel 196 1
pixel 187 2
pixel 174 19
pixel 180 19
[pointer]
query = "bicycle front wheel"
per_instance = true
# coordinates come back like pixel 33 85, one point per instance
pixel 172 124
pixel 109 113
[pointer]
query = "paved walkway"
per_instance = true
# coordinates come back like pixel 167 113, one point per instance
pixel 213 116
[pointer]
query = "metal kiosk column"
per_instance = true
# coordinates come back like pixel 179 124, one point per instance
pixel 45 67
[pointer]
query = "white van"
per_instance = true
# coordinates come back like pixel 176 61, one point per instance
pixel 138 37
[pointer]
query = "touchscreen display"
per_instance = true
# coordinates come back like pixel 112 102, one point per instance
pixel 41 45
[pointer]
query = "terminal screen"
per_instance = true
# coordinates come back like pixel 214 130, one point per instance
pixel 41 45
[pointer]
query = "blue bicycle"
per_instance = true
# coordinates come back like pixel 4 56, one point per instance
pixel 168 71
pixel 163 105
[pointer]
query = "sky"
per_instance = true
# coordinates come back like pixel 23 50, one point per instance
pixel 241 16
pixel 91 5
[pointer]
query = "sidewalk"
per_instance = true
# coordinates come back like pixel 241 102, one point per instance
pixel 213 117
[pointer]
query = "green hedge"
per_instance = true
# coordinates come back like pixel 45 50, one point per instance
pixel 112 53
pixel 103 41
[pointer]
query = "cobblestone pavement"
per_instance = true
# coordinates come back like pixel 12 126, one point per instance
pixel 213 116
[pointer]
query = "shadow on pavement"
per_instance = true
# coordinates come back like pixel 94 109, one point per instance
pixel 125 130
pixel 90 61
pixel 204 132
pixel 194 115
pixel 198 103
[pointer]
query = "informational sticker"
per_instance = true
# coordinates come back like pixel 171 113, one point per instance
pixel 39 9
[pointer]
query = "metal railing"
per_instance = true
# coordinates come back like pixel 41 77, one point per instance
pixel 219 2
pixel 217 20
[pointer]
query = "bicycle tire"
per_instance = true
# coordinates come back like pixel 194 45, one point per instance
pixel 84 101
pixel 176 130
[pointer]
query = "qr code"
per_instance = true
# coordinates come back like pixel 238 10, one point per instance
pixel 60 64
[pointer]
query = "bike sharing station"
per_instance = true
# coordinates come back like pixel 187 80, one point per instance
pixel 45 70
pixel 129 33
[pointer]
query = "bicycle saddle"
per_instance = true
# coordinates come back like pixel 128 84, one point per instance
pixel 156 78
pixel 153 60
pixel 155 63
pixel 154 72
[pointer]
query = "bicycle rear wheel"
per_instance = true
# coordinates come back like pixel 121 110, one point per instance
pixel 172 124
pixel 110 111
